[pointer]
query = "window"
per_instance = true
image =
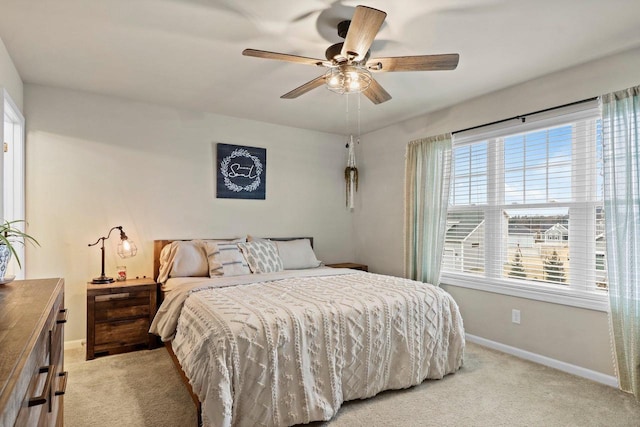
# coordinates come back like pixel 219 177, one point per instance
pixel 526 209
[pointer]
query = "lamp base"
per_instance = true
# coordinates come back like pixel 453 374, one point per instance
pixel 102 280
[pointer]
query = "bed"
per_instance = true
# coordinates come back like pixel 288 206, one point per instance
pixel 289 346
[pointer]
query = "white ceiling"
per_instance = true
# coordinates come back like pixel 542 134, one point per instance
pixel 187 53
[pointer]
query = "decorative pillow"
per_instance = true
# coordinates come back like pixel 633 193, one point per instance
pixel 262 256
pixel 297 254
pixel 225 259
pixel 189 259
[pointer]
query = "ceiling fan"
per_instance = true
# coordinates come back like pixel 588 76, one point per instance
pixel 349 64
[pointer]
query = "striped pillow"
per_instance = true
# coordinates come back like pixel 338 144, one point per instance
pixel 225 259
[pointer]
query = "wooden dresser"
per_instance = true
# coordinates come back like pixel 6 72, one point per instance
pixel 119 315
pixel 32 377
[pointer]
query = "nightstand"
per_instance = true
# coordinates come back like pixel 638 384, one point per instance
pixel 119 315
pixel 351 265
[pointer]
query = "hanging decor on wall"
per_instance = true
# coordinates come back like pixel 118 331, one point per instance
pixel 351 173
pixel 241 172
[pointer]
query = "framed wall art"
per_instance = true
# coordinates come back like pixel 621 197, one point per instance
pixel 241 172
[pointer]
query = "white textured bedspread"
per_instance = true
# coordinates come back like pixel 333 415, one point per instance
pixel 290 351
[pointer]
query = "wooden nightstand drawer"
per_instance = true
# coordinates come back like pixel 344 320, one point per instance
pixel 122 333
pixel 125 305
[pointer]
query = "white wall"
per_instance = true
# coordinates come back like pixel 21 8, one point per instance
pixel 95 162
pixel 9 77
pixel 380 208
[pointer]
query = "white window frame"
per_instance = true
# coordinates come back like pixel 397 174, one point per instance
pixel 12 170
pixel 581 209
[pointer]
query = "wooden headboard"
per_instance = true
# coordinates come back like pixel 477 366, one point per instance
pixel 159 244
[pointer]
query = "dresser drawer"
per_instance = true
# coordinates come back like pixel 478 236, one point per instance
pixel 109 335
pixel 35 412
pixel 123 305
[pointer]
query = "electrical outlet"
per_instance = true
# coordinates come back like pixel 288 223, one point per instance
pixel 515 316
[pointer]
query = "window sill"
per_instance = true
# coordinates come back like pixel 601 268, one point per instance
pixel 548 293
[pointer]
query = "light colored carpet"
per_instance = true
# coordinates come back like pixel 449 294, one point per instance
pixel 492 389
pixel 126 390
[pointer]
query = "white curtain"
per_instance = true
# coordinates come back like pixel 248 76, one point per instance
pixel 621 131
pixel 428 170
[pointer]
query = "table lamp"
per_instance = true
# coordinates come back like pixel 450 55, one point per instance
pixel 126 249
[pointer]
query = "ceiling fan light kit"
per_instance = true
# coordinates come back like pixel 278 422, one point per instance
pixel 349 64
pixel 348 79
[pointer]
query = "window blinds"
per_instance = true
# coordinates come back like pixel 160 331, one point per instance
pixel 526 202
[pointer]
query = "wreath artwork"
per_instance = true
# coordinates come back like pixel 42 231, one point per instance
pixel 240 172
pixel 235 171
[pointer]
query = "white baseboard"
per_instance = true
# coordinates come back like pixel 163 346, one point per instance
pixel 546 361
pixel 70 345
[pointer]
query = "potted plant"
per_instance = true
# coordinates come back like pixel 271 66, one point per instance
pixel 10 235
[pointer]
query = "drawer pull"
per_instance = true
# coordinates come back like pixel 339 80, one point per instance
pixel 100 298
pixel 42 399
pixel 63 389
pixel 62 316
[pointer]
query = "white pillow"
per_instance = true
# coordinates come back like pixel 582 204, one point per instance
pixel 297 254
pixel 225 259
pixel 262 256
pixel 189 259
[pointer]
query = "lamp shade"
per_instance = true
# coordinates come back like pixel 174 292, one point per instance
pixel 127 249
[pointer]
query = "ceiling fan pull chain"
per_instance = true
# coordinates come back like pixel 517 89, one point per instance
pixel 347 118
pixel 359 98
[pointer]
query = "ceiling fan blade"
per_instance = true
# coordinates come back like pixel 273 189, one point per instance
pixel 376 93
pixel 283 57
pixel 364 26
pixel 301 90
pixel 415 63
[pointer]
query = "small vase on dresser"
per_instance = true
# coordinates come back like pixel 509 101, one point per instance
pixel 5 257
